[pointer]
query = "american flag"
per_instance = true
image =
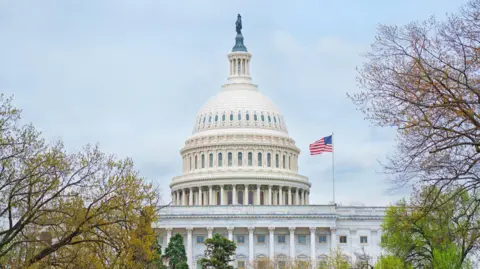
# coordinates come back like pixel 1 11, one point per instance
pixel 322 145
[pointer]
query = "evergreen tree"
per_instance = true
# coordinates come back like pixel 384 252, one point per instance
pixel 220 251
pixel 175 253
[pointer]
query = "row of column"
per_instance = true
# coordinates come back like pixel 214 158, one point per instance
pixel 251 252
pixel 197 196
pixel 240 66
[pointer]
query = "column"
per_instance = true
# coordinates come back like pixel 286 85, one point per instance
pixel 271 246
pixel 292 243
pixel 333 239
pixel 269 198
pixel 169 235
pixel 210 232
pixel 282 200
pixel 184 197
pixel 230 237
pixel 190 197
pixel 189 247
pixel 289 199
pixel 210 195
pixel 222 200
pixel 245 195
pixel 173 198
pixel 312 247
pixel 297 197
pixel 251 257
pixel 234 195
pixel 308 198
pixel 258 194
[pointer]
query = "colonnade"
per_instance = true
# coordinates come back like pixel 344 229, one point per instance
pixel 243 194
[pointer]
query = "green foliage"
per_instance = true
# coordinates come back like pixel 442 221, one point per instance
pixel 335 260
pixel 175 253
pixel 391 262
pixel 437 228
pixel 219 252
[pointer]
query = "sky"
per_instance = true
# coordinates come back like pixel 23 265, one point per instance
pixel 132 75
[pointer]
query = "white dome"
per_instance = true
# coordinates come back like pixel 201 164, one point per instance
pixel 239 106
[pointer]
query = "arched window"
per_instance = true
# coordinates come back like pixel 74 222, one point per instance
pixel 240 159
pixel 263 118
pixel 250 197
pixel 204 118
pixel 220 160
pixel 289 163
pixel 283 161
pixel 229 197
pixel 255 117
pixel 203 160
pixel 262 198
pixel 269 119
pixel 259 159
pixel 191 167
pixel 231 117
pixel 196 161
pixel 276 160
pixel 240 197
pixel 274 119
pixel 250 157
pixel 223 117
pixel 239 116
pixel 247 117
pixel 269 160
pixel 230 161
pixel 210 160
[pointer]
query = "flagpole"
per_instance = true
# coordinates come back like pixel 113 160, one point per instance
pixel 333 170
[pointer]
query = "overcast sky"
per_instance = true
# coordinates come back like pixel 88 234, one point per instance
pixel 131 76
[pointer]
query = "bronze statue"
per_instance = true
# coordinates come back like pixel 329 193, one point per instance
pixel 238 24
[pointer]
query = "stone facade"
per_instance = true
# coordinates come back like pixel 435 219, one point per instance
pixel 240 179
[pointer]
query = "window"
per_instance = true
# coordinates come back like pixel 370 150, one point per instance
pixel 263 118
pixel 276 160
pixel 250 156
pixel 210 160
pixel 302 239
pixel 283 161
pixel 259 159
pixel 220 161
pixel 269 160
pixel 247 117
pixel 203 160
pixel 200 239
pixel 322 239
pixel 343 239
pixel 260 239
pixel 231 117
pixel 241 265
pixel 216 118
pixel 210 119
pixel 204 118
pixel 160 240
pixel 269 119
pixel 240 159
pixel 363 240
pixel 223 117
pixel 240 239
pixel 230 162
pixel 274 119
pixel 240 197
pixel 255 117
pixel 239 116
pixel 196 161
pixel 281 239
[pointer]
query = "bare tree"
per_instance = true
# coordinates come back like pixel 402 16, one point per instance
pixel 423 79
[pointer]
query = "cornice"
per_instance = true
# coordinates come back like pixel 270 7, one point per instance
pixel 270 216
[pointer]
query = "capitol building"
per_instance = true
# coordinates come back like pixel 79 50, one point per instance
pixel 240 178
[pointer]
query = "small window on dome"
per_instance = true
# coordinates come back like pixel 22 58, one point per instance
pixel 220 160
pixel 269 119
pixel 255 117
pixel 216 118
pixel 247 117
pixel 204 118
pixel 223 117
pixel 230 159
pixel 259 159
pixel 210 119
pixel 249 159
pixel 196 162
pixel 239 116
pixel 269 160
pixel 231 117
pixel 276 160
pixel 240 161
pixel 210 160
pixel 203 160
pixel 274 119
pixel 283 162
pixel 263 118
